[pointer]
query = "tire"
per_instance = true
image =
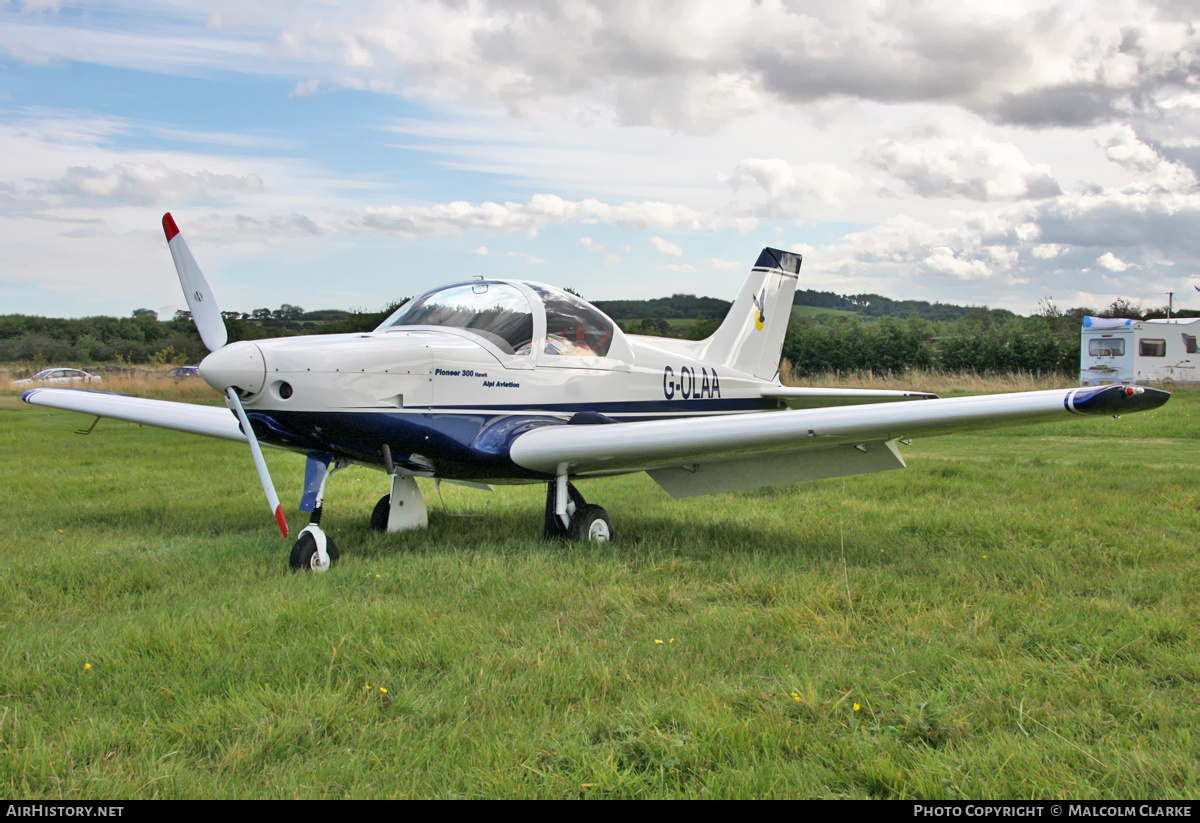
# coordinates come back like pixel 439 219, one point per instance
pixel 591 523
pixel 304 553
pixel 379 516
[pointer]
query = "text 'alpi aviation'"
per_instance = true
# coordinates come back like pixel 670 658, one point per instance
pixel 497 381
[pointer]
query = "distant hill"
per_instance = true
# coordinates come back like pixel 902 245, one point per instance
pixel 690 307
pixel 675 307
pixel 876 305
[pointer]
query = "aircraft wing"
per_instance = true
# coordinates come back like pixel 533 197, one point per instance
pixel 212 421
pixel 704 455
pixel 811 398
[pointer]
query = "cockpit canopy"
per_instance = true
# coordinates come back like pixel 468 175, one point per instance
pixel 504 315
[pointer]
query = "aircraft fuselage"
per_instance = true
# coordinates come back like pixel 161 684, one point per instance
pixel 448 402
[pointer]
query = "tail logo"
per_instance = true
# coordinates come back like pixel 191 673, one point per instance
pixel 760 316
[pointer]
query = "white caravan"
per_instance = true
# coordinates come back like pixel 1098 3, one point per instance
pixel 1119 350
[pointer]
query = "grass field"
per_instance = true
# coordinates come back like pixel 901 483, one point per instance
pixel 1015 615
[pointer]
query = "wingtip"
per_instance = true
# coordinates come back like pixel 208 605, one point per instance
pixel 281 520
pixel 1117 399
pixel 169 226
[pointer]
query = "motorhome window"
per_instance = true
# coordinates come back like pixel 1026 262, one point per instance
pixel 1107 347
pixel 1189 343
pixel 574 327
pixel 497 312
pixel 1152 348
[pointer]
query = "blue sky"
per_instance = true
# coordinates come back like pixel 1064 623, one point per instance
pixel 347 155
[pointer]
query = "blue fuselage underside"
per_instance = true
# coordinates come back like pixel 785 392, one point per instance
pixel 454 443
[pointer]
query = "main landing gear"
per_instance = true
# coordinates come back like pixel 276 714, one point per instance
pixel 570 517
pixel 402 510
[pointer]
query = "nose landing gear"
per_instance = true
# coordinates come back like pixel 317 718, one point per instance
pixel 314 551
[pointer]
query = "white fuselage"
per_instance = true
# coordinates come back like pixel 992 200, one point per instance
pixel 433 395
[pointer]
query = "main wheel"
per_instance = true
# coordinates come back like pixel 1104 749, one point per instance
pixel 379 516
pixel 592 523
pixel 304 553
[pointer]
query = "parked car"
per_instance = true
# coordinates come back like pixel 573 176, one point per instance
pixel 181 372
pixel 59 376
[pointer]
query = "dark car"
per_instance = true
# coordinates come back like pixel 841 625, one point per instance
pixel 181 372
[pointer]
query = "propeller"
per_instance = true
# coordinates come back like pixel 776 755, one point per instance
pixel 207 317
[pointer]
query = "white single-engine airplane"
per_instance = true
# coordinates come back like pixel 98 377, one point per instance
pixel 493 381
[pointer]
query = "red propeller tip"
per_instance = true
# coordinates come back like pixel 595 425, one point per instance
pixel 169 226
pixel 281 520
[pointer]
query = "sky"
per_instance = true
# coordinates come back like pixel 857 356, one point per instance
pixel 347 155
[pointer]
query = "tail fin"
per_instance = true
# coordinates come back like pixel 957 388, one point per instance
pixel 751 338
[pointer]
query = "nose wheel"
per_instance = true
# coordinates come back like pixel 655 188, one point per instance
pixel 314 551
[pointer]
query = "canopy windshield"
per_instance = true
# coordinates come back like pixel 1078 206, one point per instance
pixel 497 312
pixel 574 327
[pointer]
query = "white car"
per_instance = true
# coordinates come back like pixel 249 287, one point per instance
pixel 59 376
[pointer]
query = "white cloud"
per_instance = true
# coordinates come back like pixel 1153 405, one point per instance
pixel 723 265
pixel 666 247
pixel 783 181
pixel 692 67
pixel 146 184
pixel 681 268
pixel 944 260
pixel 527 257
pixel 479 251
pixel 935 164
pixel 447 219
pixel 1129 151
pixel 1111 262
pixel 616 118
pixel 304 88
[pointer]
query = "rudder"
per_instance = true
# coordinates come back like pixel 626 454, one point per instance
pixel 750 339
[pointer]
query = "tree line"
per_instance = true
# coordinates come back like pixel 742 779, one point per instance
pixel 142 338
pixel 981 342
pixel 927 336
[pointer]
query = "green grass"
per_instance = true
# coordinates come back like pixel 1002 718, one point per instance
pixel 1015 615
